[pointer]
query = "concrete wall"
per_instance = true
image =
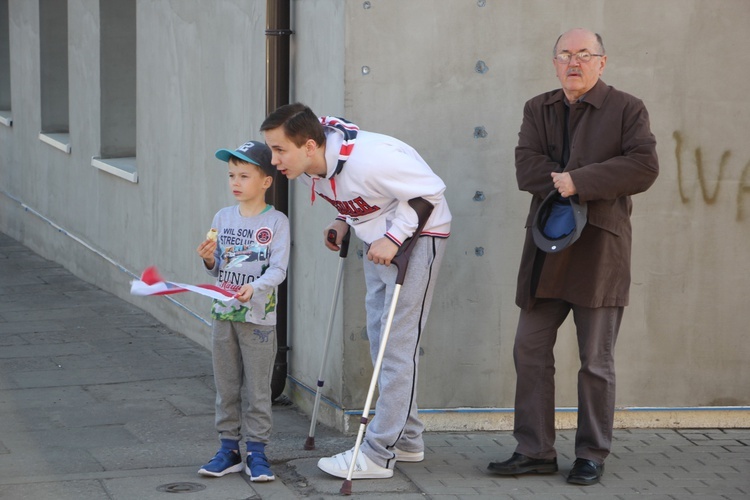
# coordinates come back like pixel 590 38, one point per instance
pixel 200 86
pixel 438 70
pixel 688 311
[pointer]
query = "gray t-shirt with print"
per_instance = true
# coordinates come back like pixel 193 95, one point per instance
pixel 251 250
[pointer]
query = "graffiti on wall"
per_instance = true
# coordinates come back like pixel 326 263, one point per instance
pixel 710 190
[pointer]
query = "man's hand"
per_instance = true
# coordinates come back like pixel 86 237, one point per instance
pixel 564 184
pixel 341 228
pixel 206 251
pixel 382 251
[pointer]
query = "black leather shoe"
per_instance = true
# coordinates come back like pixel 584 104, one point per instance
pixel 521 464
pixel 585 472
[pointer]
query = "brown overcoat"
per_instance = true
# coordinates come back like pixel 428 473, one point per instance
pixel 612 156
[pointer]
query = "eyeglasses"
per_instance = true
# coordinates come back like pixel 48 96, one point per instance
pixel 583 56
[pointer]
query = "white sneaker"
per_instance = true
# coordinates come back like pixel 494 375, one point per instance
pixel 408 456
pixel 364 468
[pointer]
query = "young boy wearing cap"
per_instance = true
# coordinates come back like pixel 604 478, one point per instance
pixel 248 255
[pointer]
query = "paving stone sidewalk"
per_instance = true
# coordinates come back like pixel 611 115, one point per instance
pixel 98 400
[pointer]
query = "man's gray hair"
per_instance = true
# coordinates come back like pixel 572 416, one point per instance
pixel 598 41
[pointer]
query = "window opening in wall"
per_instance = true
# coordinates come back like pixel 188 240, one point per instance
pixel 117 80
pixel 6 117
pixel 53 60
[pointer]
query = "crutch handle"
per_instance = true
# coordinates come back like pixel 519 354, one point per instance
pixel 401 260
pixel 344 247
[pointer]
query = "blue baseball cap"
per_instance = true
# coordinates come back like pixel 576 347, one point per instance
pixel 254 152
pixel 558 222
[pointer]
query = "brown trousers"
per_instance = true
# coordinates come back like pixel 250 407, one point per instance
pixel 534 427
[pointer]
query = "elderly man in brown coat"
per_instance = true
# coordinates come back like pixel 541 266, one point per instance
pixel 592 143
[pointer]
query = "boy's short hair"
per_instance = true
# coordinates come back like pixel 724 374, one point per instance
pixel 299 122
pixel 254 152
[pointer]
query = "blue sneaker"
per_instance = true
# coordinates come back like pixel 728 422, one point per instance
pixel 258 468
pixel 224 462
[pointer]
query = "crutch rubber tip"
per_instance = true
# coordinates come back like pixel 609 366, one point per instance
pixel 310 443
pixel 346 488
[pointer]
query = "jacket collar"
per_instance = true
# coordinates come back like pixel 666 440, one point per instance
pixel 346 135
pixel 595 96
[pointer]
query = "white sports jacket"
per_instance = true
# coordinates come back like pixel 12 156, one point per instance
pixel 372 190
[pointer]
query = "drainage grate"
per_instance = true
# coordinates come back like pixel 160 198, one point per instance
pixel 181 487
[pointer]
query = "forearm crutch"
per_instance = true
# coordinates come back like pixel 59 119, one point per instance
pixel 401 260
pixel 343 250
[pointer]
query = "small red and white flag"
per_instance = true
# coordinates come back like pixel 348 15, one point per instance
pixel 152 283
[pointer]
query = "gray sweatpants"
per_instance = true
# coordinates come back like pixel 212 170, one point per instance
pixel 396 423
pixel 243 357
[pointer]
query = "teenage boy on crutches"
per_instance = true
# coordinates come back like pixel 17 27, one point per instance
pixel 369 178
